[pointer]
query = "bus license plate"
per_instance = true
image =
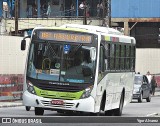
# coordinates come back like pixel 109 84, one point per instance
pixel 57 102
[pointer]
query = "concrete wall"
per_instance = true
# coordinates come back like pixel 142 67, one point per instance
pixel 12 66
pixel 34 22
pixel 12 59
pixel 148 60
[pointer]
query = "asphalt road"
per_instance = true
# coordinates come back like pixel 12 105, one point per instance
pixel 137 111
pixel 133 109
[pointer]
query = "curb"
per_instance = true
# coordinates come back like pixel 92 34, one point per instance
pixel 6 106
pixel 155 96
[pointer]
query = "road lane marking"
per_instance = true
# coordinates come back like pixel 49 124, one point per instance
pixel 152 114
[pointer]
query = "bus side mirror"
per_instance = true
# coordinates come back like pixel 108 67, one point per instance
pixel 23 44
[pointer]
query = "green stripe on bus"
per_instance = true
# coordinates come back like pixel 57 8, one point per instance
pixel 58 94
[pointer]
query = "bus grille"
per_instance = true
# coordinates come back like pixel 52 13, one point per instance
pixel 61 88
pixel 60 97
pixel 65 105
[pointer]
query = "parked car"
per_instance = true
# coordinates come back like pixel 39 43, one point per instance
pixel 142 88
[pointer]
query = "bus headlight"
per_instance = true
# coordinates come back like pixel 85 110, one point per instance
pixel 30 87
pixel 87 92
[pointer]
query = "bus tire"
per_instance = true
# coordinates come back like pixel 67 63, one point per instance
pixel 101 108
pixel 39 111
pixel 108 113
pixel 94 114
pixel 28 108
pixel 118 111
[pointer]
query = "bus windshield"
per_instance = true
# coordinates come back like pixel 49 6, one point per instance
pixel 52 61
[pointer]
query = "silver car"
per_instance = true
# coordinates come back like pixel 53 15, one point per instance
pixel 142 89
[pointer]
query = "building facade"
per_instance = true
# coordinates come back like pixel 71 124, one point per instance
pixel 38 8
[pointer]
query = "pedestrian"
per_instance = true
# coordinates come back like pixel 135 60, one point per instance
pixel 98 10
pixel 29 11
pixel 61 10
pixel 34 10
pixel 101 10
pixel 87 10
pixel 5 9
pixel 49 10
pixel 72 10
pixel 149 77
pixel 81 9
pixel 153 84
pixel 43 10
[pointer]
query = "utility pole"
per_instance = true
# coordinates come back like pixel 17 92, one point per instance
pixel 104 13
pixel 108 10
pixel 16 16
pixel 84 14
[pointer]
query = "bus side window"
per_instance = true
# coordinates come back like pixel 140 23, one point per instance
pixel 101 60
pixel 106 56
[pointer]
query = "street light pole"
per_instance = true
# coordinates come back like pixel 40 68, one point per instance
pixel 84 14
pixel 16 16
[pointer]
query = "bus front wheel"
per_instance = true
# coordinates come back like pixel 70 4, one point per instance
pixel 118 111
pixel 28 108
pixel 39 111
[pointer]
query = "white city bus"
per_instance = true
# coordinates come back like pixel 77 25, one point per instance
pixel 79 68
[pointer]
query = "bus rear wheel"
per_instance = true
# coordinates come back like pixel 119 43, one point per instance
pixel 39 111
pixel 109 113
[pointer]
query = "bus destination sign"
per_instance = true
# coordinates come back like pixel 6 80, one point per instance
pixel 69 37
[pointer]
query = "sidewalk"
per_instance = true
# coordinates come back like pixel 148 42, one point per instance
pixel 157 91
pixel 11 104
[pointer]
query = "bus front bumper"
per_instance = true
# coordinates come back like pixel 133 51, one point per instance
pixel 82 105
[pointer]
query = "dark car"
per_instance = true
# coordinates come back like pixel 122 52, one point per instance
pixel 142 89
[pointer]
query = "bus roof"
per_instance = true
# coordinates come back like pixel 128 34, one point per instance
pixel 93 28
pixel 107 32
